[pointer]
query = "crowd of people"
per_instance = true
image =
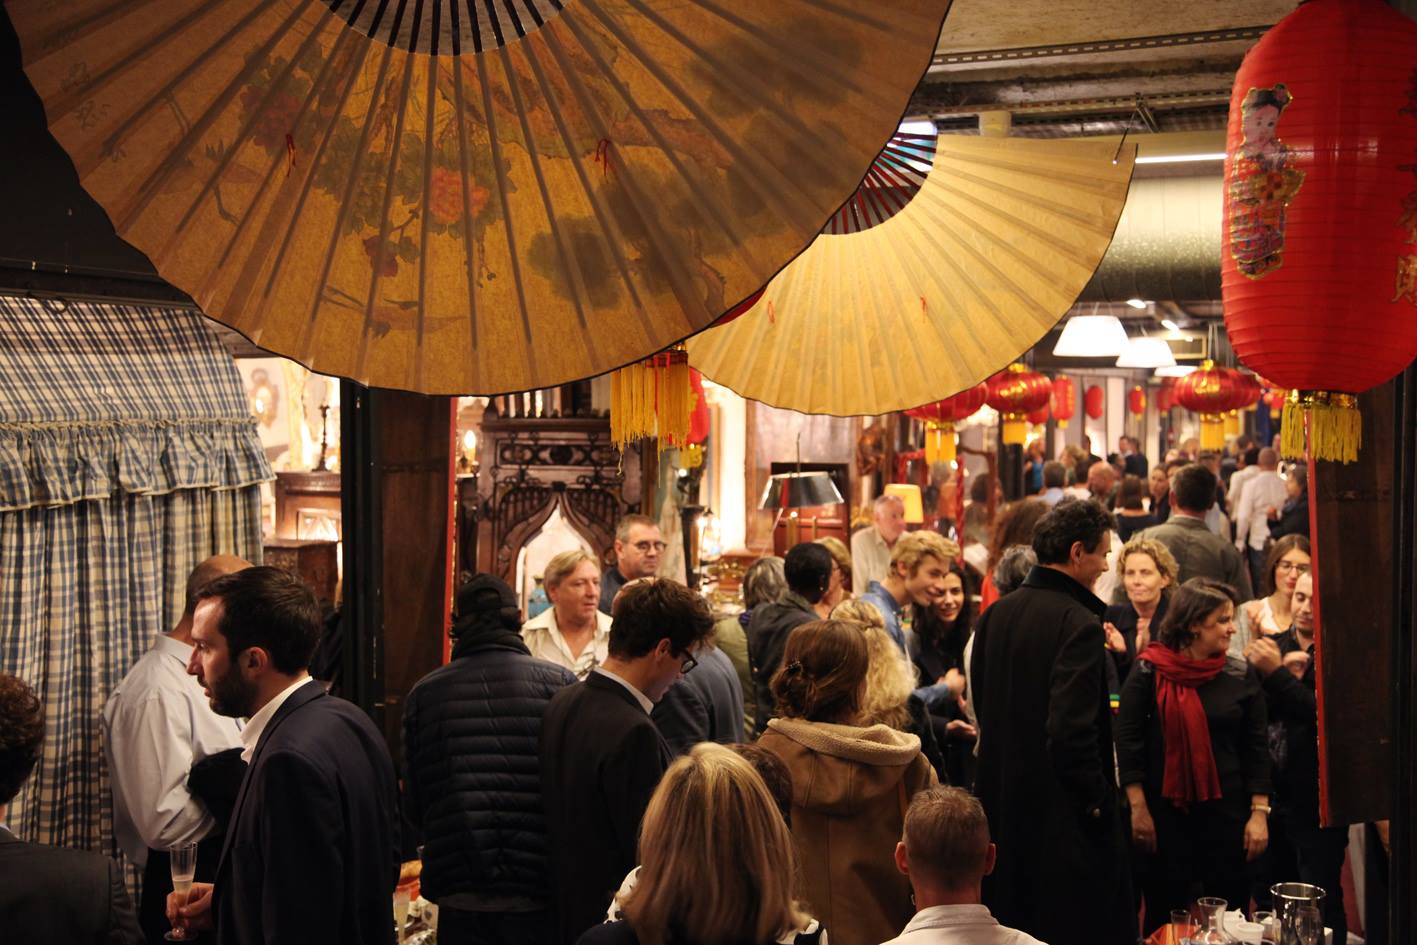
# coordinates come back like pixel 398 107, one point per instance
pixel 1055 733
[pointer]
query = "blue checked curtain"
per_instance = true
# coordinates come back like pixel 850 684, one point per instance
pixel 127 455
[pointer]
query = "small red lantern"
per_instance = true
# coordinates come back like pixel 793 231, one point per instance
pixel 1136 401
pixel 1065 400
pixel 1166 395
pixel 1274 399
pixel 1015 393
pixel 1094 402
pixel 940 418
pixel 1319 268
pixel 1211 392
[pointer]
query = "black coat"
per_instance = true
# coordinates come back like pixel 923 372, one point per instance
pixel 1045 773
pixel 311 854
pixel 1294 734
pixel 601 759
pixel 61 896
pixel 1293 520
pixel 706 705
pixel 472 784
pixel 767 637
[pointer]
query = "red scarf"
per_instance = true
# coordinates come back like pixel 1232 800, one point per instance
pixel 1190 773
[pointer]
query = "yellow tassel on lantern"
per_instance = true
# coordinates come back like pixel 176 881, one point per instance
pixel 652 398
pixel 1212 431
pixel 1015 428
pixel 1334 423
pixel 1232 424
pixel 939 442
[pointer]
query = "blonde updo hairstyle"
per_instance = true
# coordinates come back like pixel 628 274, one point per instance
pixel 823 672
pixel 890 678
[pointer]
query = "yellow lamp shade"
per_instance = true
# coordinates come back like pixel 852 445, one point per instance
pixel 909 496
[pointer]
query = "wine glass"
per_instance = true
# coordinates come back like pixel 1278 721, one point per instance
pixel 183 857
pixel 1309 925
pixel 1265 918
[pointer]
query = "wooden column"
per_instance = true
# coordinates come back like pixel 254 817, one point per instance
pixel 398 473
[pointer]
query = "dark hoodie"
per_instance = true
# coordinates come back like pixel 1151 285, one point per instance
pixel 470 734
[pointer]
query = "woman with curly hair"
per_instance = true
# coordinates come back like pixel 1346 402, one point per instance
pixel 1014 526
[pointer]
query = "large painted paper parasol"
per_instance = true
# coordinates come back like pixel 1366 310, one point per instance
pixel 908 307
pixel 471 196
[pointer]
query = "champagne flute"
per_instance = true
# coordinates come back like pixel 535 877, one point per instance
pixel 183 857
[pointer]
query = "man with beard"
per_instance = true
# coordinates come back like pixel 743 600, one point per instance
pixel 310 854
pixel 157 726
pixel 1046 777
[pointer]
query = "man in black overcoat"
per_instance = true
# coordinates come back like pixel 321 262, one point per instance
pixel 601 754
pixel 1046 775
pixel 311 852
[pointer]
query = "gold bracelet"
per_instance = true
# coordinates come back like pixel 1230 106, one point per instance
pixel 1261 807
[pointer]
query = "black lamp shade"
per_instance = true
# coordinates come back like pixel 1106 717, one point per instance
pixel 799 490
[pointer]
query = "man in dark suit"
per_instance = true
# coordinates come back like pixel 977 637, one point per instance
pixel 310 855
pixel 1046 775
pixel 50 894
pixel 705 706
pixel 601 754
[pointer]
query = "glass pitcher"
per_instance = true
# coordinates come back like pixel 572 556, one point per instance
pixel 1211 921
pixel 1289 898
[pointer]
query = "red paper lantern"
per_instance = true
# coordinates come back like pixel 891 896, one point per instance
pixel 1094 402
pixel 1211 392
pixel 1166 395
pixel 1065 400
pixel 1136 401
pixel 1015 393
pixel 1040 415
pixel 1320 262
pixel 940 418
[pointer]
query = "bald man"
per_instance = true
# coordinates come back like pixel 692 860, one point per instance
pixel 157 725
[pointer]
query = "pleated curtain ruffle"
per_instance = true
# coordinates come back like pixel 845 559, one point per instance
pixel 97 400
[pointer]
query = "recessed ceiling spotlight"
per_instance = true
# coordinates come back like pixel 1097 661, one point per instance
pixel 1136 303
pixel 1169 325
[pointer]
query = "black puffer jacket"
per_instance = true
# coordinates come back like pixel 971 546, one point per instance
pixel 470 732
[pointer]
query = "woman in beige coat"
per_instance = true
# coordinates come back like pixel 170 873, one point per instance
pixel 851 785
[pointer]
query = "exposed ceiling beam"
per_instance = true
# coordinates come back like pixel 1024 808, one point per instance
pixel 1245 34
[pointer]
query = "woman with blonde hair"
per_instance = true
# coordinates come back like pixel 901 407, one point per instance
pixel 851 783
pixel 1148 575
pixel 717 863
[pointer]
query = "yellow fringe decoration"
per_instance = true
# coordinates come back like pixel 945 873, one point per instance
pixel 1232 424
pixel 1212 431
pixel 1015 429
pixel 652 399
pixel 1334 424
pixel 939 442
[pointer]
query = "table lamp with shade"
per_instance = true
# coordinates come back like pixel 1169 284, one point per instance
pixel 788 492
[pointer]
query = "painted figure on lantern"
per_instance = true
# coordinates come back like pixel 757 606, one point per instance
pixel 1262 182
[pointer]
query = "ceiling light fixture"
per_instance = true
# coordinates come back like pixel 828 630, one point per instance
pixel 1091 336
pixel 922 126
pixel 1136 303
pixel 1147 353
pixel 1181 158
pixel 1169 325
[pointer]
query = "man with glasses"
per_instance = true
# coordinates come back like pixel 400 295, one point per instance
pixel 601 753
pixel 638 547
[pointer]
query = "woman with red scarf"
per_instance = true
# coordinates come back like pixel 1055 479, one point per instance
pixel 1192 754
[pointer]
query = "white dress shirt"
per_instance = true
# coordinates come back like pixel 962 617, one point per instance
pixel 1251 523
pixel 1237 486
pixel 640 697
pixel 959 925
pixel 156 724
pixel 542 634
pixel 870 558
pixel 251 734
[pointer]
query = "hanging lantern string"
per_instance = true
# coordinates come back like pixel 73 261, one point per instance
pixel 1136 112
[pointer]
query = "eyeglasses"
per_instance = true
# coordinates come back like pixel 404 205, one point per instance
pixel 644 546
pixel 688 664
pixel 1292 566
